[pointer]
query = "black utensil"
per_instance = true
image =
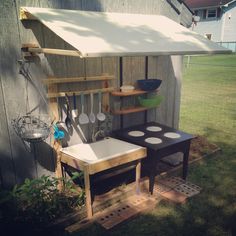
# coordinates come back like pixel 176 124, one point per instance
pixel 68 120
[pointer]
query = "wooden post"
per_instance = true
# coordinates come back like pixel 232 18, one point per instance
pixel 88 192
pixel 56 144
pixel 138 175
pixel 58 170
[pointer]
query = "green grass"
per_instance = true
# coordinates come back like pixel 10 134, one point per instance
pixel 208 108
pixel 208 105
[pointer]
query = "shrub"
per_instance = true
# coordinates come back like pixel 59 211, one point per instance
pixel 39 202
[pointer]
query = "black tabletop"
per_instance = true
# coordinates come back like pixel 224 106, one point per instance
pixel 160 131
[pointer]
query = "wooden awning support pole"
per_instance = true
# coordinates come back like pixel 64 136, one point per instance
pixel 35 49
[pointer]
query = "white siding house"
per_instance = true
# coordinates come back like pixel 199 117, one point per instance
pixel 217 20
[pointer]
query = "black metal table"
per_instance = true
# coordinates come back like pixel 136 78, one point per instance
pixel 155 152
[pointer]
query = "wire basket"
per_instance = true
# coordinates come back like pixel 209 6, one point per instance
pixel 31 129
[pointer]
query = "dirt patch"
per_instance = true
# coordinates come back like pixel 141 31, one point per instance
pixel 201 147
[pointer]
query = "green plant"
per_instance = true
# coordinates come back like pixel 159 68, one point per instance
pixel 39 202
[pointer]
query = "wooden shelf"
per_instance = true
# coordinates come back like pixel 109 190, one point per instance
pixel 52 80
pixel 70 93
pixel 130 110
pixel 131 93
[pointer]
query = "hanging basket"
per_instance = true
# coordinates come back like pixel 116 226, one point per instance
pixel 31 129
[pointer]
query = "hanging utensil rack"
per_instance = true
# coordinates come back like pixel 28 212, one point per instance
pixel 53 93
pixel 54 81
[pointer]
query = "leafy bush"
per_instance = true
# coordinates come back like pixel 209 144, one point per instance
pixel 39 202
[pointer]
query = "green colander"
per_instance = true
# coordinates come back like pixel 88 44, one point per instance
pixel 150 102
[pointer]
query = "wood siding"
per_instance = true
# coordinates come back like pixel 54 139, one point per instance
pixel 229 34
pixel 16 163
pixel 221 28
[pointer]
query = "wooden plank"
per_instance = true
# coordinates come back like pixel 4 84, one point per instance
pixel 73 162
pixel 126 158
pixel 88 193
pixel 58 170
pixel 131 93
pixel 63 94
pixel 55 51
pixel 51 80
pixel 129 110
pixel 56 144
pixel 25 15
pixel 138 176
pixel 53 105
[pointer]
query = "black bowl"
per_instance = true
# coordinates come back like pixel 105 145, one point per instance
pixel 149 84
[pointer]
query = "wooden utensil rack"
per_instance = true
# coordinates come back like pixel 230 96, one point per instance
pixel 77 93
pixel 54 81
pixel 53 94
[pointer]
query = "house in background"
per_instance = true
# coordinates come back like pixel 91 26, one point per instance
pixel 217 20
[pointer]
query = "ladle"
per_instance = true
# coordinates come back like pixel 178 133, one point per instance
pixel 74 112
pixel 83 118
pixel 60 123
pixel 92 117
pixel 100 116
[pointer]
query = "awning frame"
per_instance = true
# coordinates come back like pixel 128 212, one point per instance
pixel 35 49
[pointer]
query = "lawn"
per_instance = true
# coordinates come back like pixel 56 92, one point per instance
pixel 208 108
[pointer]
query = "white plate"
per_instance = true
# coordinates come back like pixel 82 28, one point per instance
pixel 154 128
pixel 172 135
pixel 126 88
pixel 153 140
pixel 136 133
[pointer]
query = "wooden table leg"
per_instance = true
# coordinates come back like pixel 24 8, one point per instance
pixel 58 170
pixel 88 194
pixel 138 175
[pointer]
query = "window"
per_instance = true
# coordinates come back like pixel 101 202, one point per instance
pixel 211 13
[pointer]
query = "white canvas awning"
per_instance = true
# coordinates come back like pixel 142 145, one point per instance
pixel 98 34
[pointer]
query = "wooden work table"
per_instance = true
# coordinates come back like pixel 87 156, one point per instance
pixel 89 168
